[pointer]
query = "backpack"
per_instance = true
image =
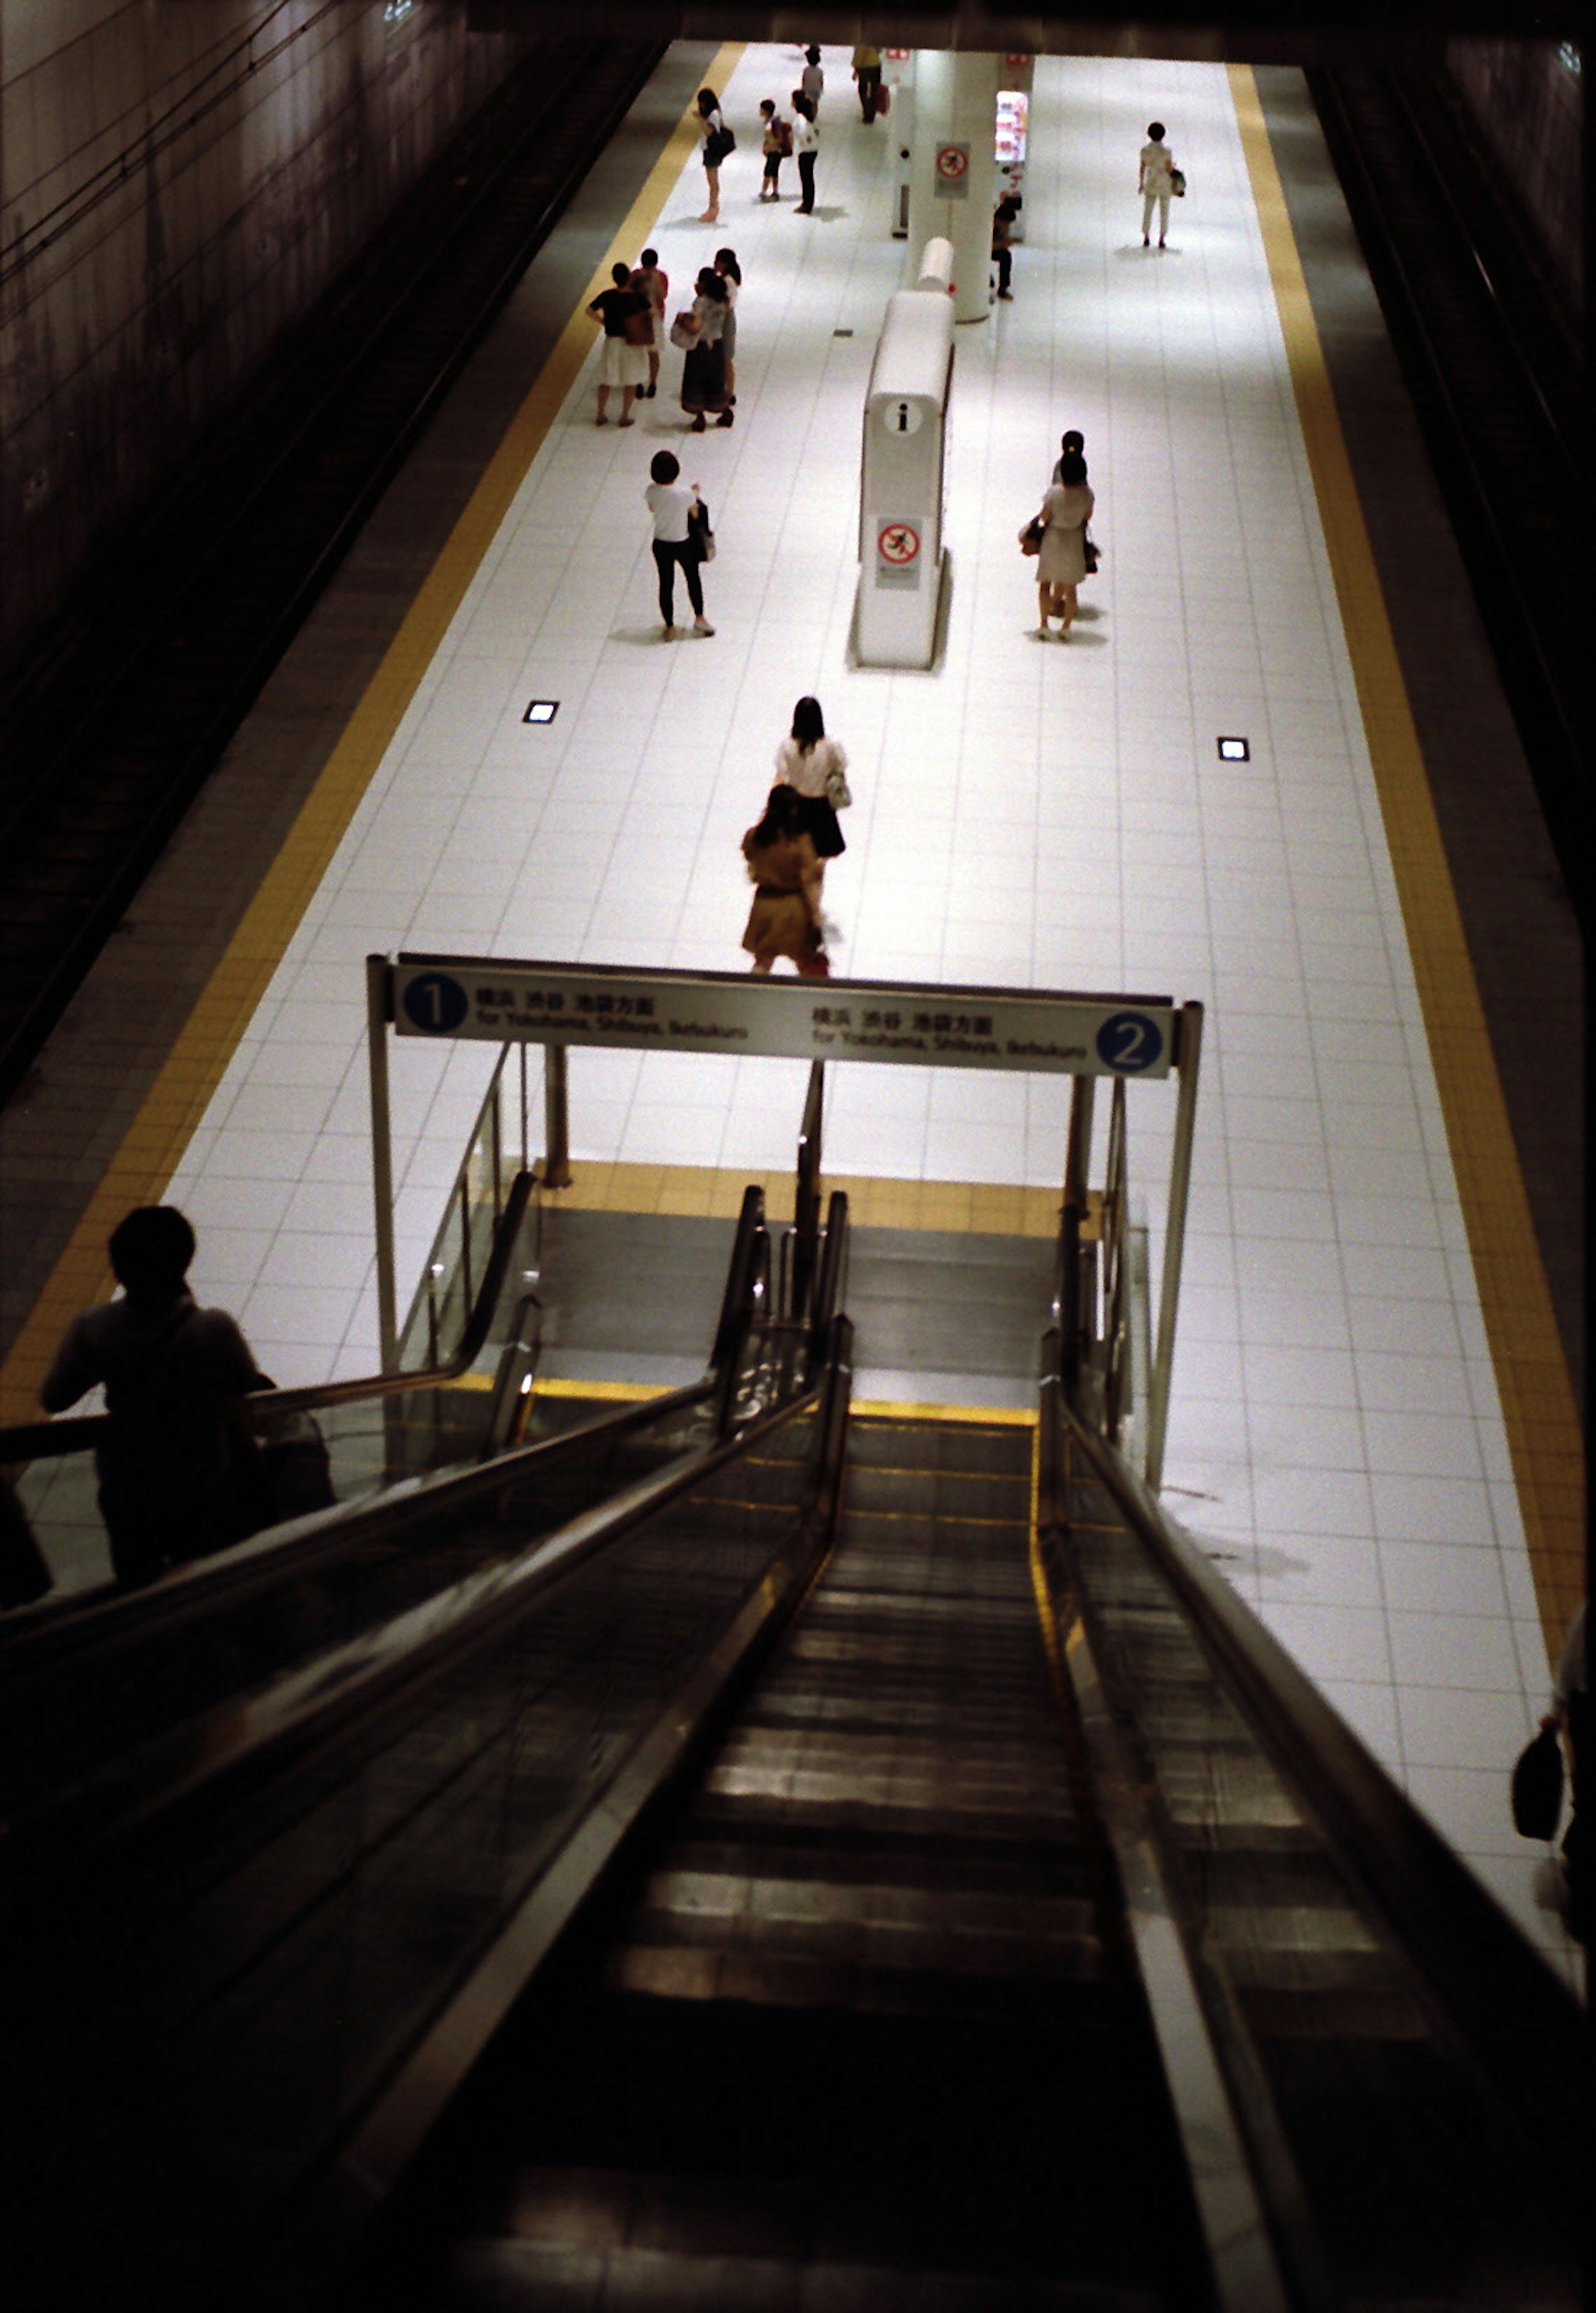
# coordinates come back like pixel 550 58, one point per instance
pixel 783 138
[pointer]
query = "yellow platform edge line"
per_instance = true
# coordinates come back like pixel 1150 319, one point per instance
pixel 172 1110
pixel 1537 1402
pixel 910 1409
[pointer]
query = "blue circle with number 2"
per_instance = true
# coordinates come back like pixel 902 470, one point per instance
pixel 1129 1041
pixel 435 1002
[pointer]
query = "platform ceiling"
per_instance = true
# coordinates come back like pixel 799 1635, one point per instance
pixel 1246 31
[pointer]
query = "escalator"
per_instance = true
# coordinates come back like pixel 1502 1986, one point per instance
pixel 868 1863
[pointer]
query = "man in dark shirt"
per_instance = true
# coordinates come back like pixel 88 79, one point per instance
pixel 172 1373
pixel 624 313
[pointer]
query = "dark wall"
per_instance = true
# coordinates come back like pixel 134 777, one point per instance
pixel 1525 99
pixel 180 183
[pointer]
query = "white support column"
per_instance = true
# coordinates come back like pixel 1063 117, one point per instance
pixel 951 175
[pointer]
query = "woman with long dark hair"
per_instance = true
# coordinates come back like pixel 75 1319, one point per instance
pixel 731 273
pixel 704 372
pixel 815 767
pixel 717 144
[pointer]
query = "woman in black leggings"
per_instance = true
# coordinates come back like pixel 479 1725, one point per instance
pixel 674 547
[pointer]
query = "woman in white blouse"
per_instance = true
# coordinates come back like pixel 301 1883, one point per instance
pixel 814 767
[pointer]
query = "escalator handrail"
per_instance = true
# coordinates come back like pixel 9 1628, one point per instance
pixel 1519 2021
pixel 255 1734
pixel 39 1441
pixel 301 1544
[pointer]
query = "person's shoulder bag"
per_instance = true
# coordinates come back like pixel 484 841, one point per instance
pixel 1538 1787
pixel 700 537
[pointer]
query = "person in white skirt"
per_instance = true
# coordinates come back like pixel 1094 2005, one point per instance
pixel 625 312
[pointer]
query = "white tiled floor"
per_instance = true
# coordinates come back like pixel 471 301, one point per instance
pixel 1030 814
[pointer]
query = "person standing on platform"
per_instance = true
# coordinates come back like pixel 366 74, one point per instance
pixel 654 284
pixel 717 143
pixel 671 503
pixel 172 1486
pixel 625 312
pixel 777 143
pixel 867 72
pixel 704 372
pixel 1062 563
pixel 816 769
pixel 805 137
pixel 1155 182
pixel 1003 243
pixel 730 274
pixel 784 918
pixel 811 81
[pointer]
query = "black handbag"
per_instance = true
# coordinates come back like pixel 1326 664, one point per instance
pixel 1089 548
pixel 1538 1787
pixel 700 537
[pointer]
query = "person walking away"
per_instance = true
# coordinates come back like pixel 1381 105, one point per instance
pixel 1003 243
pixel 673 550
pixel 815 767
pixel 1155 181
pixel 811 79
pixel 805 137
pixel 704 372
pixel 730 274
pixel 624 313
pixel 1061 565
pixel 784 918
pixel 653 284
pixel 777 143
pixel 867 72
pixel 718 141
pixel 171 1487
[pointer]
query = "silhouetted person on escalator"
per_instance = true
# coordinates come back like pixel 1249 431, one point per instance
pixel 175 1480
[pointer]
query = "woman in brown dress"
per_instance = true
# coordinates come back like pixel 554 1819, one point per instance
pixel 784 918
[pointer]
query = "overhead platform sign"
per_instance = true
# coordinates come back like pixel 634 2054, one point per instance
pixel 443 997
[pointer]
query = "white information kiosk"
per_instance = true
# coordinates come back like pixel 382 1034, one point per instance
pixel 901 561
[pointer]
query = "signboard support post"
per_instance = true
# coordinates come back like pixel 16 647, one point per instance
pixel 379 1013
pixel 1187 1047
pixel 556 1172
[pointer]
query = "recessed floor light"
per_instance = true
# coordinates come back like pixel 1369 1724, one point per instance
pixel 1234 750
pixel 541 711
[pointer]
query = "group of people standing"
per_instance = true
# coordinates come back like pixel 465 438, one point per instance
pixel 632 311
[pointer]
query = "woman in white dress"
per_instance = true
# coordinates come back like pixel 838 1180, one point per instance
pixel 1061 564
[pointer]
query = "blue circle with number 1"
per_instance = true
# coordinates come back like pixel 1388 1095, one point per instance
pixel 1129 1041
pixel 435 1002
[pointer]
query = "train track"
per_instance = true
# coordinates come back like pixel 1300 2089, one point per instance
pixel 124 711
pixel 1496 377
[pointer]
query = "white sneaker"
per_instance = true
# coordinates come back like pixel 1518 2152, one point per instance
pixel 702 627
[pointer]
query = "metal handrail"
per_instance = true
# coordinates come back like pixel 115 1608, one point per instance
pixel 806 1205
pixel 1499 1999
pixel 38 1441
pixel 328 1694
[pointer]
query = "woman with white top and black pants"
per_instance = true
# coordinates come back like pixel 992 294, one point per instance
pixel 674 547
pixel 805 137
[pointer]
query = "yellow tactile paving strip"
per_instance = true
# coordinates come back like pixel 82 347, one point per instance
pixel 178 1100
pixel 1538 1404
